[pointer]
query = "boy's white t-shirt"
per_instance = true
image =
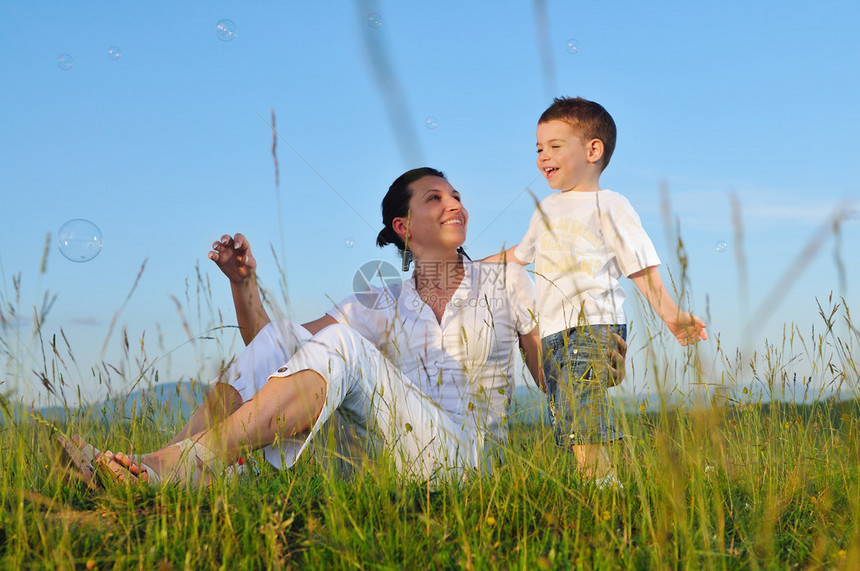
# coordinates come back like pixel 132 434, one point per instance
pixel 581 244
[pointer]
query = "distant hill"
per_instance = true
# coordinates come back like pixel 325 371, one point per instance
pixel 167 399
pixel 172 401
pixel 527 406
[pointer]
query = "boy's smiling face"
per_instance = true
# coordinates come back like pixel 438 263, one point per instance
pixel 566 161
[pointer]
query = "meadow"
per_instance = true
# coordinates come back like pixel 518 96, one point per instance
pixel 743 477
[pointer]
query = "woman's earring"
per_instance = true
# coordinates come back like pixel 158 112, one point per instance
pixel 407 260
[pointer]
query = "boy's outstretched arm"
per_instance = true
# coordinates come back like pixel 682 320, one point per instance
pixel 686 327
pixel 505 256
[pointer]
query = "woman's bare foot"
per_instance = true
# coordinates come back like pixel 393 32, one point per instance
pixel 75 461
pixel 170 464
pixel 132 464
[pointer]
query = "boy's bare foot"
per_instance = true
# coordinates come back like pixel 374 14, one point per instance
pixel 609 482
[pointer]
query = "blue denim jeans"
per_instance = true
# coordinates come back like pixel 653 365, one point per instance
pixel 576 368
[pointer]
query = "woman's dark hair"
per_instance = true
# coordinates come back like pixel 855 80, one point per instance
pixel 396 204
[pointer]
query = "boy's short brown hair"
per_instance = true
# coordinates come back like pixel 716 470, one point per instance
pixel 589 119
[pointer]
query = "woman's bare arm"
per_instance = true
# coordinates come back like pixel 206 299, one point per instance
pixel 232 255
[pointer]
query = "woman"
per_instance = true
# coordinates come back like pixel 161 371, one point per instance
pixel 432 373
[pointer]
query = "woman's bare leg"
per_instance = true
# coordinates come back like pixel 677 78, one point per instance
pixel 284 406
pixel 221 401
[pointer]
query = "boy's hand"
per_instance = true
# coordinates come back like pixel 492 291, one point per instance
pixel 617 357
pixel 687 329
pixel 233 257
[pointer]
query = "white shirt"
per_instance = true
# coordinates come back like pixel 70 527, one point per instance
pixel 581 243
pixel 465 363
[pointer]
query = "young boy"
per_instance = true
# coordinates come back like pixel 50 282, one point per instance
pixel 582 240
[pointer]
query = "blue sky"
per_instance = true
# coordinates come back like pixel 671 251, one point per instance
pixel 169 146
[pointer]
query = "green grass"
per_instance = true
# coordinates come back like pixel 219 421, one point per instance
pixel 739 479
pixel 752 486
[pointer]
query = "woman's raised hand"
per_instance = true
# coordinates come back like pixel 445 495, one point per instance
pixel 233 256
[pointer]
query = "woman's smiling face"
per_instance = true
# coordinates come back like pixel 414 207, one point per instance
pixel 437 217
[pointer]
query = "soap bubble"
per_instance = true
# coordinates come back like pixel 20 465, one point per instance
pixel 225 30
pixel 349 242
pixel 431 122
pixel 65 62
pixel 572 46
pixel 722 246
pixel 374 20
pixel 114 53
pixel 79 240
